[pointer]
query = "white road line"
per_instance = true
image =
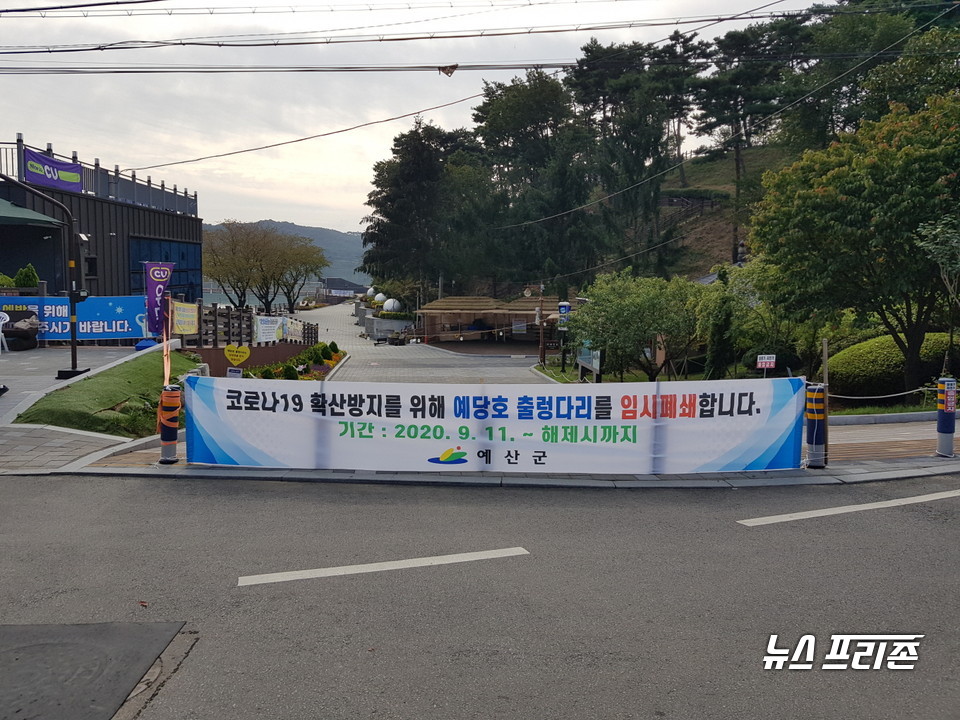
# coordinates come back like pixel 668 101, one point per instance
pixel 379 567
pixel 771 519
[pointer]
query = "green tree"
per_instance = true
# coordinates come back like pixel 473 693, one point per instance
pixel 744 90
pixel 827 84
pixel 26 277
pixel 644 323
pixel 516 124
pixel 928 66
pixel 404 233
pixel 841 223
pixel 716 318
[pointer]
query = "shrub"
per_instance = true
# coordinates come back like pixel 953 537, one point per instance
pixel 26 277
pixel 267 374
pixel 875 367
pixel 6 281
pixel 326 354
pixel 289 372
pixel 314 354
pixel 333 348
pixel 396 315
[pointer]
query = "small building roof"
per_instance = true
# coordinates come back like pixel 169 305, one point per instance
pixel 463 304
pixel 478 305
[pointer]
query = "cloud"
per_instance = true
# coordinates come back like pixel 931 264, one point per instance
pixel 137 120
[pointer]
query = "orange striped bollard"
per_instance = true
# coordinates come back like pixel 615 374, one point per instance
pixel 816 425
pixel 169 417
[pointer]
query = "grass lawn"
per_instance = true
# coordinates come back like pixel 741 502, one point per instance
pixel 119 401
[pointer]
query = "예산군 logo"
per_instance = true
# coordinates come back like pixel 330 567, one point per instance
pixel 450 457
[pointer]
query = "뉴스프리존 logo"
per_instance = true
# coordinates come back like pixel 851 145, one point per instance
pixel 847 652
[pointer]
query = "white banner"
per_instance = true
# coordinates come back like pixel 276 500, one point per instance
pixel 268 329
pixel 625 428
pixel 294 330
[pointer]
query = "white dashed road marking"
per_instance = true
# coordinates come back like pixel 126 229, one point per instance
pixel 379 567
pixel 788 517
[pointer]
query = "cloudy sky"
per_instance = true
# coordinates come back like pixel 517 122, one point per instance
pixel 143 120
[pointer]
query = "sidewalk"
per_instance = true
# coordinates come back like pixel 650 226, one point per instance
pixel 861 452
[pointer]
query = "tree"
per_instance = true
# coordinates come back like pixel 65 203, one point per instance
pixel 26 277
pixel 743 92
pixel 516 123
pixel 645 323
pixel 828 84
pixel 225 253
pixel 404 233
pixel 841 223
pixel 304 261
pixel 717 320
pixel 928 66
pixel 251 258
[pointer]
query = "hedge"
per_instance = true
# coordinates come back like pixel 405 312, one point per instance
pixel 875 367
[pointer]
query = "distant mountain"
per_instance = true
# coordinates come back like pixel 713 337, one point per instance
pixel 343 250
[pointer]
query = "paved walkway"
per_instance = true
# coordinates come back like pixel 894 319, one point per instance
pixel 858 453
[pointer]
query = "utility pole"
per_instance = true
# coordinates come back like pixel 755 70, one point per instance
pixel 540 319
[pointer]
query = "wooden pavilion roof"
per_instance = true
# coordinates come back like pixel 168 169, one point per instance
pixel 478 305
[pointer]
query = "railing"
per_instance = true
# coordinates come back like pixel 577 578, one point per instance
pixel 222 325
pixel 104 183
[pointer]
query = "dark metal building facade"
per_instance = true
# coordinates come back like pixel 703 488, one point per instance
pixel 122 223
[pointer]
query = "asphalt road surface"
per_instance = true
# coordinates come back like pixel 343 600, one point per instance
pixel 646 604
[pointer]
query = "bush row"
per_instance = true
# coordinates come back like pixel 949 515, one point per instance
pixel 314 363
pixel 875 367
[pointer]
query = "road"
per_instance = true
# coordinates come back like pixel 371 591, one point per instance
pixel 648 604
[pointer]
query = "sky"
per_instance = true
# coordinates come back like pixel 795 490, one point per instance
pixel 141 120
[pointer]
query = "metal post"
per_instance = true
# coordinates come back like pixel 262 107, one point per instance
pixel 543 351
pixel 946 415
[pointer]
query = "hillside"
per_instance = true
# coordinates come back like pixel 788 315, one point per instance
pixel 707 240
pixel 343 250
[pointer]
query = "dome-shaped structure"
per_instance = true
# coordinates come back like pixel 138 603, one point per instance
pixel 371 292
pixel 392 305
pixel 380 297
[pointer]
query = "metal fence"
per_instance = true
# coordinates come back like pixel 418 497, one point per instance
pixel 108 184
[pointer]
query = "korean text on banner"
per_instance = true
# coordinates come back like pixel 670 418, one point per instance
pixel 40 169
pixel 158 277
pixel 185 319
pixel 269 329
pixel 98 318
pixel 628 428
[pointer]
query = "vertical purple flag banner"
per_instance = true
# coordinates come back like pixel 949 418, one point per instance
pixel 41 169
pixel 158 276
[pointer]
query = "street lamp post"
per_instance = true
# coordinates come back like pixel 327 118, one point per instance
pixel 75 293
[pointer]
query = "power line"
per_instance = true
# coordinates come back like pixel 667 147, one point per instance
pixel 329 37
pixel 304 139
pixel 303 40
pixel 245 69
pixel 355 127
pixel 49 8
pixel 753 126
pixel 482 66
pixel 89 10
